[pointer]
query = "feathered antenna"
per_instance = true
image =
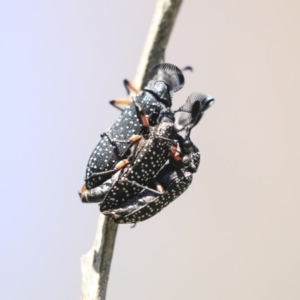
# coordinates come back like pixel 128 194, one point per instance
pixel 190 113
pixel 169 74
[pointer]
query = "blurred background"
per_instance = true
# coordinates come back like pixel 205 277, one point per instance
pixel 235 233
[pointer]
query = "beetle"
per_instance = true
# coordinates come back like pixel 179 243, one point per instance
pixel 148 155
pixel 162 81
pixel 170 182
pixel 175 176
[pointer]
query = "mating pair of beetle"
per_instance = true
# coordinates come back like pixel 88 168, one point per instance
pixel 136 170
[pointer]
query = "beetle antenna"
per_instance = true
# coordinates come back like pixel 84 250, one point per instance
pixel 189 114
pixel 169 74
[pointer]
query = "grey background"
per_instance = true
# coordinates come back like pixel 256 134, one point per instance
pixel 235 233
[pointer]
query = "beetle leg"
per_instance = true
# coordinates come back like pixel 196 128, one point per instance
pixel 124 101
pixel 142 117
pixel 121 101
pixel 129 87
pixel 112 142
pixel 159 191
pixel 132 155
pixel 133 139
pixel 120 165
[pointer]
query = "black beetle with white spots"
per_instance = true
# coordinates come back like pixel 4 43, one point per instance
pixel 163 81
pixel 137 170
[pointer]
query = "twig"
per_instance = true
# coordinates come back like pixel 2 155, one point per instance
pixel 95 265
pixel 158 36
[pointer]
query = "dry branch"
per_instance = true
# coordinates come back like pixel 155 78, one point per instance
pixel 95 265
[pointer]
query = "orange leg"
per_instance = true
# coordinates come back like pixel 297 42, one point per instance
pixel 129 87
pixel 124 101
pixel 120 165
pixel 133 139
pixel 142 116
